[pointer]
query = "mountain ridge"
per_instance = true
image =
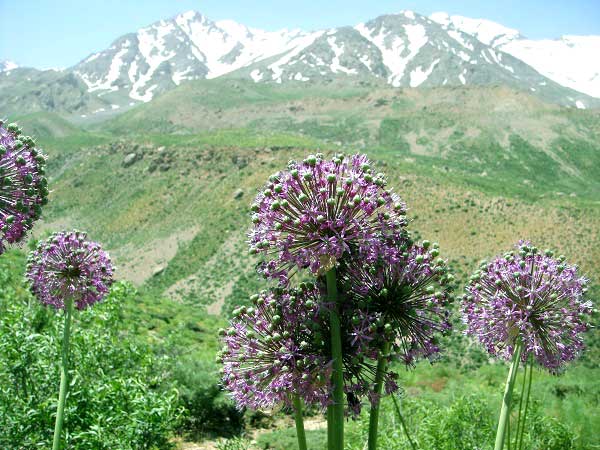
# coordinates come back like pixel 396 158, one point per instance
pixel 567 60
pixel 405 49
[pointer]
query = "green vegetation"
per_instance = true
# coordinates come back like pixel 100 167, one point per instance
pixel 479 168
pixel 119 395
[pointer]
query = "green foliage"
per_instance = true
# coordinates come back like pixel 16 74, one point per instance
pixel 209 412
pixel 117 397
pixel 465 422
pixel 285 439
pixel 237 443
pixel 390 135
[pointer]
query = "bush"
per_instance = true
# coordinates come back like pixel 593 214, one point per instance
pixel 208 410
pixel 116 397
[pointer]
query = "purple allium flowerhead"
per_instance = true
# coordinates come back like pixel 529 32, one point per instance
pixel 274 349
pixel 281 346
pixel 530 297
pixel 318 211
pixel 407 293
pixel 67 264
pixel 23 188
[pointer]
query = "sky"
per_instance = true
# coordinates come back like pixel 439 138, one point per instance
pixel 60 33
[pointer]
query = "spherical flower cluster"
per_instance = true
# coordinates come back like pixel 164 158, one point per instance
pixel 23 189
pixel 281 346
pixel 407 293
pixel 68 265
pixel 275 348
pixel 527 297
pixel 319 211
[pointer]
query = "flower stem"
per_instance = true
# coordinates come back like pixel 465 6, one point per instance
pixel 336 416
pixel 403 423
pixel 330 428
pixel 374 415
pixel 520 407
pixel 299 422
pixel 526 404
pixel 505 410
pixel 63 374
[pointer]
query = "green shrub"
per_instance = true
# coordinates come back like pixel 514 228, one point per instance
pixel 117 397
pixel 208 410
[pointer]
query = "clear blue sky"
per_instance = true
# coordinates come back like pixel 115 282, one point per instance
pixel 59 33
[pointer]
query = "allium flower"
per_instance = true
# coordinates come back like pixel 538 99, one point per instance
pixel 319 211
pixel 280 346
pixel 275 349
pixel 407 293
pixel 67 264
pixel 531 298
pixel 23 189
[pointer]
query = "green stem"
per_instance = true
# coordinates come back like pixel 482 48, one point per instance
pixel 374 415
pixel 329 427
pixel 520 406
pixel 526 404
pixel 508 432
pixel 403 423
pixel 505 410
pixel 299 422
pixel 64 382
pixel 336 416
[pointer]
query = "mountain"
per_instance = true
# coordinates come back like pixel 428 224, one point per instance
pixel 402 50
pixel 25 90
pixel 407 50
pixel 7 65
pixel 569 60
pixel 186 47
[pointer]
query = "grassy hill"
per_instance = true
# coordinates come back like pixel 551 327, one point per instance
pixel 489 132
pixel 167 186
pixel 47 125
pixel 180 209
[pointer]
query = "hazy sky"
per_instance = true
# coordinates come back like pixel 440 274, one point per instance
pixel 59 33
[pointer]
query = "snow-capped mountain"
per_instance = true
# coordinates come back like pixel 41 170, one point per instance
pixel 403 50
pixel 571 61
pixel 7 65
pixel 186 47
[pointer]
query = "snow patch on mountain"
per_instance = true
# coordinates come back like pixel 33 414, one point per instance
pixel 571 61
pixel 405 49
pixel 5 66
pixel 486 31
pixel 393 47
pixel 457 36
pixel 300 44
pixel 418 76
pixel 338 50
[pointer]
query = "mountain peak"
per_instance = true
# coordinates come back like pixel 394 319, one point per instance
pixel 408 14
pixel 489 32
pixel 191 15
pixel 7 65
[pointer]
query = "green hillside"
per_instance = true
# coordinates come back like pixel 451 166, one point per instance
pixel 488 132
pixel 47 125
pixel 167 186
pixel 496 163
